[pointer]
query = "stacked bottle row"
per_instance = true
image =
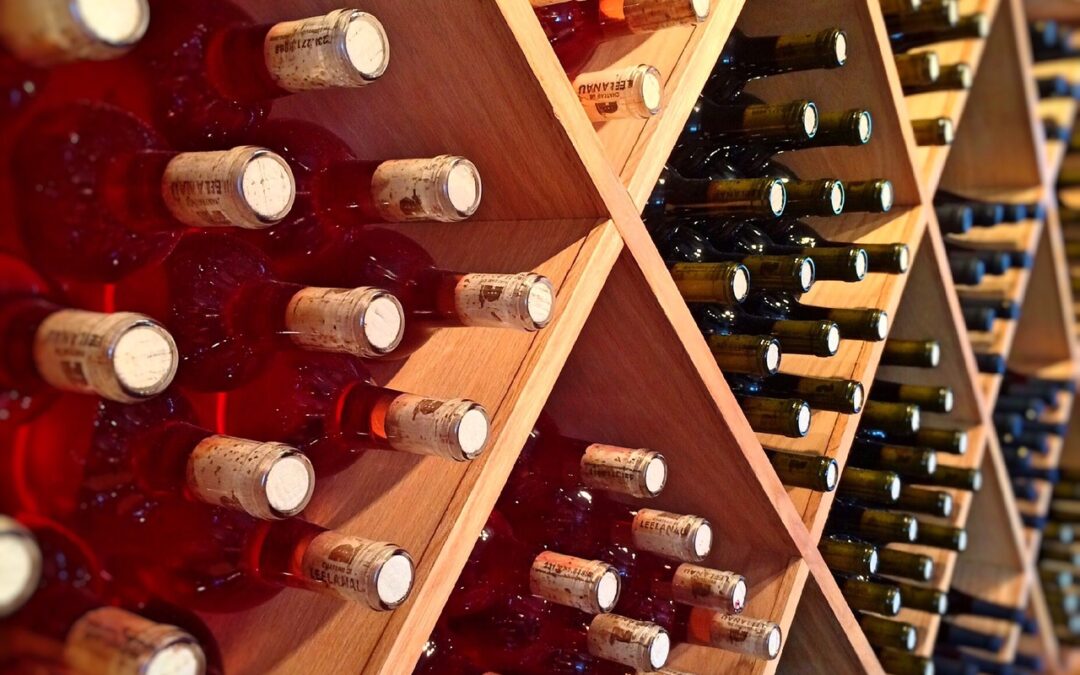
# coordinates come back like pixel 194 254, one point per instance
pixel 915 28
pixel 601 584
pixel 191 297
pixel 1050 41
pixel 729 219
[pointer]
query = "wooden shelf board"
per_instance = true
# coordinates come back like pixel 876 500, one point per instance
pixel 1038 507
pixel 1044 643
pixel 1063 111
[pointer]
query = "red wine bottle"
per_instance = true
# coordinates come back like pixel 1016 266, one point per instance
pixel 850 128
pixel 229 314
pixel 328 405
pixel 216 73
pixel 99 195
pixel 831 263
pixel 747 58
pixel 817 338
pixel 854 324
pixel 48 348
pixel 675 196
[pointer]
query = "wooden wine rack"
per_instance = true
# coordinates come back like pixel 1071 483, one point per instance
pixel 623 362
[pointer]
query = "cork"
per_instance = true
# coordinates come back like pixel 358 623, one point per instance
pixel 634 472
pixel 589 585
pixel 269 481
pixel 672 535
pixel 111 641
pixel 520 301
pixel 744 635
pixel 444 189
pixel 456 429
pixel 376 574
pixel 247 187
pixel 646 16
pixel 124 357
pixel 709 588
pixel 636 644
pixel 365 321
pixel 634 92
pixel 345 48
pixel 46 33
pixel 20 566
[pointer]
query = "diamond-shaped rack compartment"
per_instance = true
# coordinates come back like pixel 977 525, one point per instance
pixel 1058 110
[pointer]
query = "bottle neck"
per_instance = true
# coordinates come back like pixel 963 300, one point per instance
pixel 46 34
pixel 631 643
pixel 735 633
pixel 753 197
pixel 634 17
pixel 783 124
pixel 591 586
pixel 111 640
pixel 774 54
pixel 524 302
pixel 669 535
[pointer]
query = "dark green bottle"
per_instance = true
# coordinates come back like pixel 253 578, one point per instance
pixel 897 563
pixel 887 633
pixel 911 353
pixel 942 536
pixel 928 397
pixel 924 500
pixel 813 472
pixel 863 594
pixel 849 556
pixel 869 485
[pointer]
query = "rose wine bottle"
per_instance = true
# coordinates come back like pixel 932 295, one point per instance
pixel 216 72
pixel 337 191
pixel 48 348
pixel 577 29
pixel 747 58
pixel 756 638
pixel 216 560
pixel 53 598
pixel 626 93
pixel 230 314
pixel 433 297
pixel 99 195
pixel 328 405
pixel 684 584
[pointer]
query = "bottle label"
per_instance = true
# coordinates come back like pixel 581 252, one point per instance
pixel 345 48
pixel 264 480
pixel 523 301
pixel 49 33
pixel 589 585
pixel 366 322
pixel 353 568
pixel 451 429
pixel 754 637
pixel 638 472
pixel 646 16
pixel 635 644
pixel 680 537
pixel 709 588
pixel 245 187
pixel 111 641
pixel 634 92
pixel 123 356
pixel 445 189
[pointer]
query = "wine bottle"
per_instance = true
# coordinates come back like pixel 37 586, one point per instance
pixel 855 324
pixel 951 77
pixel 942 536
pixel 57 610
pixel 757 638
pixel 328 405
pixel 922 598
pixel 994 262
pixel 928 397
pixel 954 218
pixel 843 396
pixel 46 34
pixel 953 441
pixel 917 70
pixel 684 244
pixel 1055 550
pixel 836 262
pixel 908 463
pixel 902 419
pixel 824 197
pixel 911 353
pixel 675 196
pixel 922 500
pixel 101 196
pixel 626 93
pixel 782 416
pixel 812 472
pixel 870 486
pixel 1063 532
pixel 944 665
pixel 966 269
pixel 817 338
pixel 957 478
pixel 933 131
pixel 970 27
pixel 873 525
pixel 897 563
pixel 756 355
pixel 991 364
pixel 849 556
pixel 1054 87
pixel 576 29
pixel 683 586
pixel 49 348
pixel 983 213
pixel 887 258
pixel 216 73
pixel 725 283
pixel 746 58
pixel 1056 574
pixel 965 603
pixel 887 633
pixel 1003 309
pixel 1055 131
pixel 904 663
pixel 865 595
pixel 868 196
pixel 851 128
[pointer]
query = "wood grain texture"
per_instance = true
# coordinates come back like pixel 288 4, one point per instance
pixel 1066 11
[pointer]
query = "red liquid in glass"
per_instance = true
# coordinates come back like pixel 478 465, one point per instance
pixel 88 184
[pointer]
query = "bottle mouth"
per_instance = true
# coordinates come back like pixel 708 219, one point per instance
pixel 952 13
pixel 364 45
pixel 382 322
pixel 740 283
pixel 144 358
pixel 771 357
pixel 912 529
pixel 806 274
pixel 962 446
pixel 659 649
pixel 607 590
pixel 961 541
pixel 703 538
pixel 802 419
pixel 183 656
pixel 963 75
pixel 289 483
pixel 701 9
pixel 880 324
pixel 650 88
pixel 946 504
pixel 945 131
pixel 20 566
pixel 460 188
pixel 864 126
pixel 117 25
pixel 861 263
pixel 893 488
pixel 832 476
pixel 776 195
pixel 832 338
pixel 655 475
pixel 933 354
pixel 394 579
pixel 539 302
pixel 839 48
pixel 810 119
pixel 265 184
pixel 886 196
pixel 931 66
pixel 872 561
pixel 772 643
pixel 472 431
pixel 914 418
pixel 857 397
pixel 947 400
pixel 980 22
pixel 836 197
pixel 738 596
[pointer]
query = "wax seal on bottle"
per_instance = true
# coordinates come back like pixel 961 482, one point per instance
pixel 444 189
pixel 523 301
pixel 364 321
pixel 456 429
pixel 124 357
pixel 377 574
pixel 49 32
pixel 111 641
pixel 345 48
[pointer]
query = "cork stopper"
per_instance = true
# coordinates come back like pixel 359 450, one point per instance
pixel 124 357
pixel 445 189
pixel 637 473
pixel 20 566
pixel 247 187
pixel 373 573
pixel 111 641
pixel 518 301
pixel 46 33
pixel 456 429
pixel 589 585
pixel 636 644
pixel 672 535
pixel 709 588
pixel 345 48
pixel 634 92
pixel 744 635
pixel 646 16
pixel 265 480
pixel 366 322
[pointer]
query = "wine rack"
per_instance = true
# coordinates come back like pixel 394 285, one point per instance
pixel 623 362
